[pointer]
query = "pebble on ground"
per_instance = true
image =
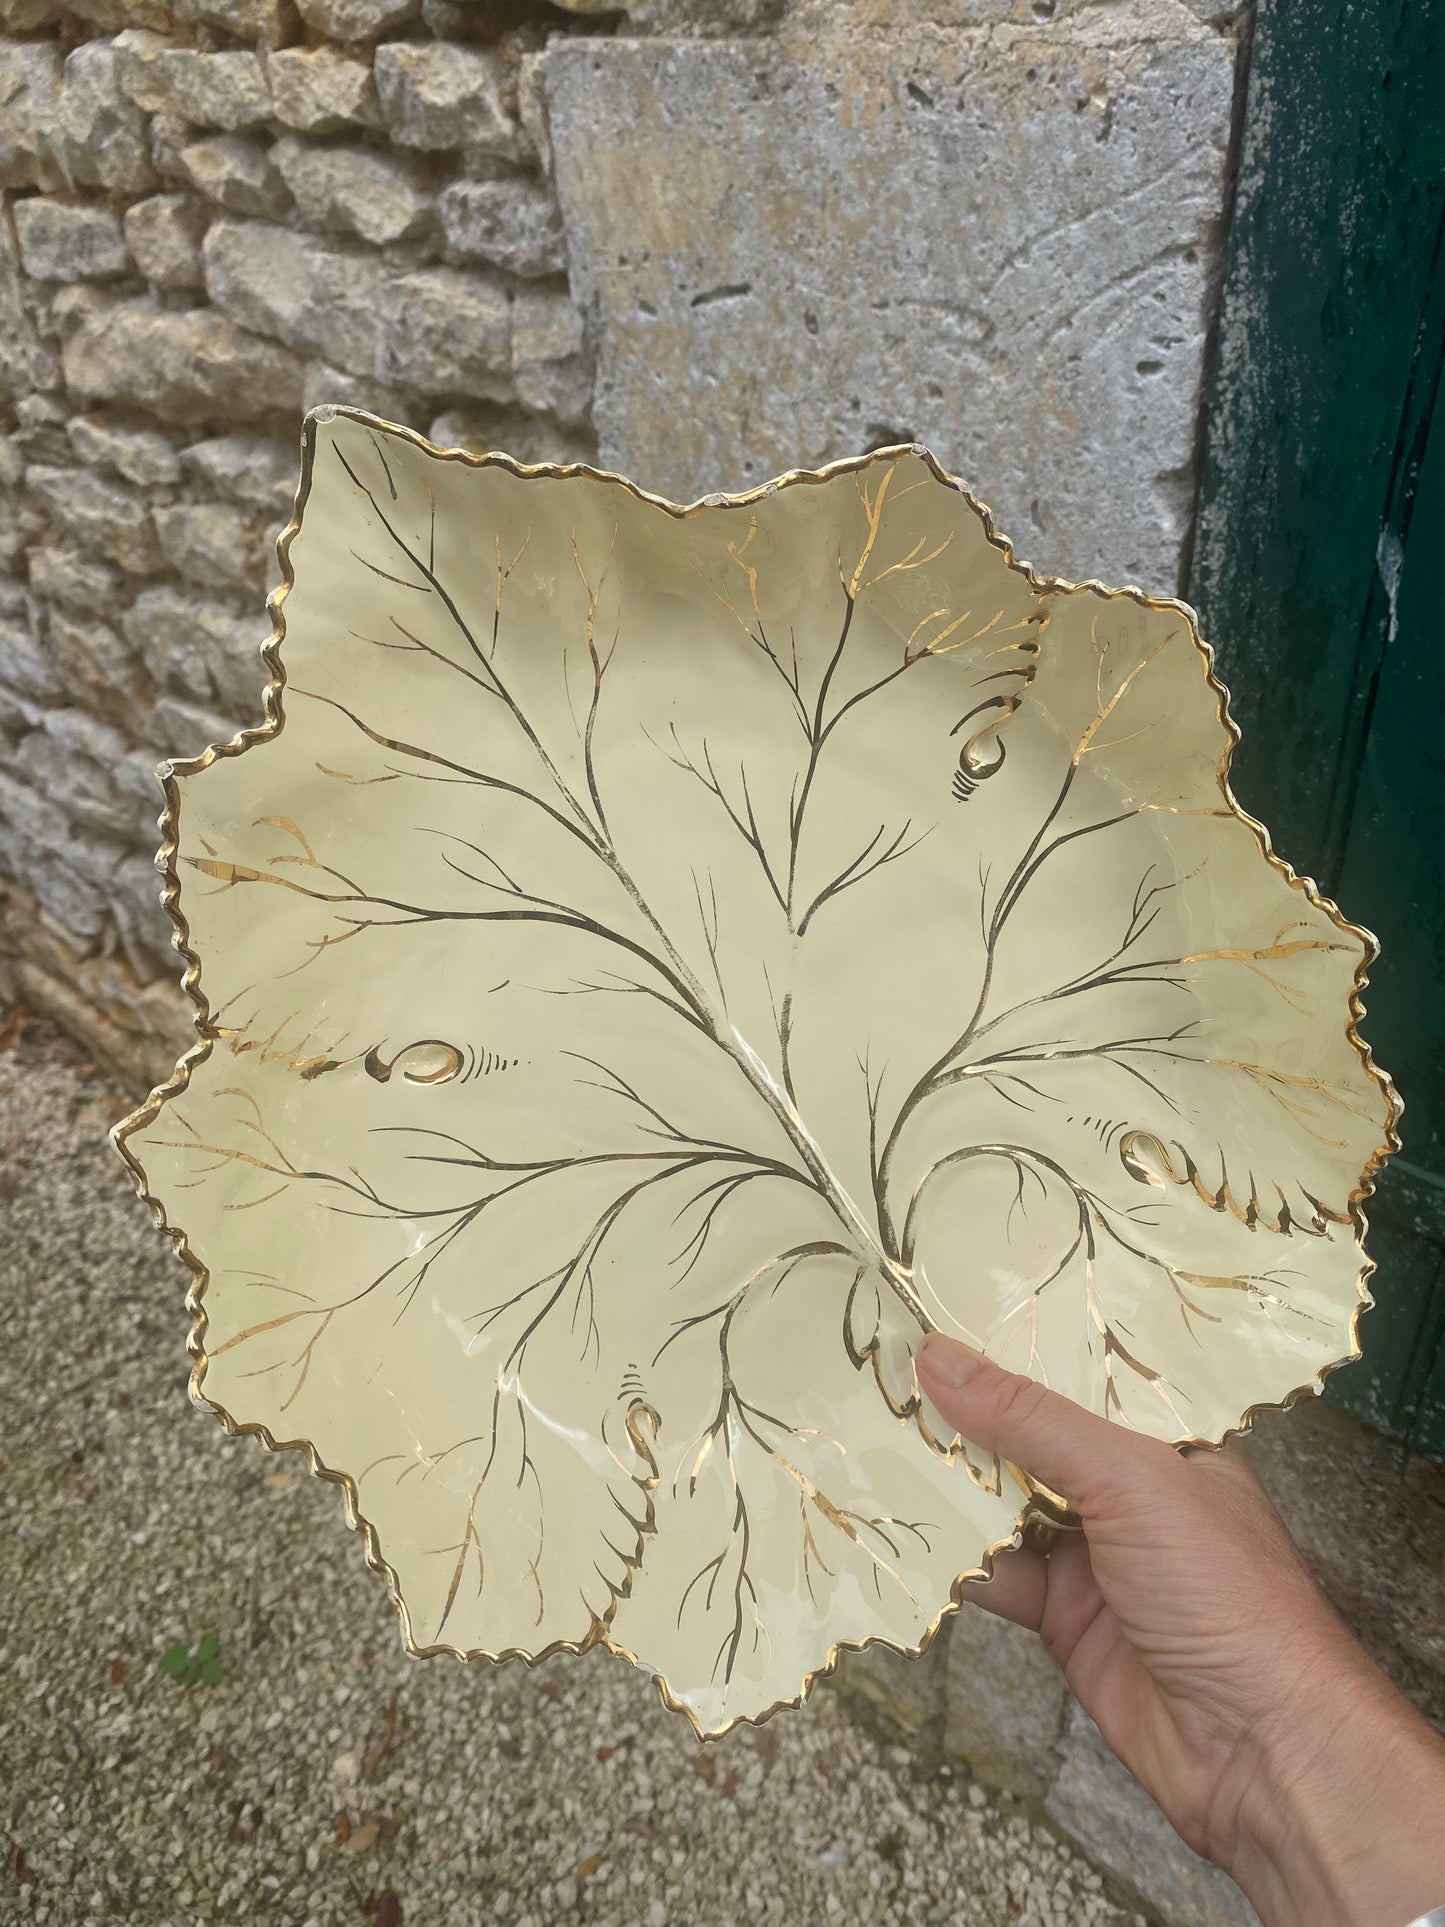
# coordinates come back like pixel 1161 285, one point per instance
pixel 325 1777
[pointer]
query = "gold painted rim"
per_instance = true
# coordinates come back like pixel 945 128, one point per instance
pixel 1042 1503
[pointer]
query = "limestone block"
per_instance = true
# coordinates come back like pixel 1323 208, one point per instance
pixel 169 134
pixel 201 649
pixel 137 1030
pixel 532 111
pixel 512 431
pixel 50 876
pixel 141 455
pixel 72 760
pixel 61 574
pixel 896 1696
pixel 213 544
pixel 1005 1703
pixel 439 330
pixel 164 237
pixel 514 223
pixel 440 96
pixel 226 90
pixel 25 668
pixel 98 134
pixel 253 20
pixel 191 366
pixel 249 468
pixel 26 363
pixel 99 668
pixel 320 91
pixel 1001 244
pixel 29 95
pixel 325 384
pixel 550 359
pixel 144 929
pixel 63 241
pixel 99 514
pixel 181 729
pixel 22 16
pixel 236 171
pixel 380 197
pixel 357 19
pixel 40 419
pixel 703 16
pixel 17 714
pixel 1101 1807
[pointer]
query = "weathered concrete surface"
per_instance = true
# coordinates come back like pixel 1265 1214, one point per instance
pixel 998 240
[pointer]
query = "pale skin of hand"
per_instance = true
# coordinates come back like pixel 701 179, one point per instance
pixel 1190 1629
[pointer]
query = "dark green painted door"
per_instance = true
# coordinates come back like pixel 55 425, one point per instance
pixel 1321 539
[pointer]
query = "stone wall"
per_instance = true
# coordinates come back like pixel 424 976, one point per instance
pixel 699 240
pixel 217 213
pixel 778 231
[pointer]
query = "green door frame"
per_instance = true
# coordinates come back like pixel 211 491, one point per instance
pixel 1320 525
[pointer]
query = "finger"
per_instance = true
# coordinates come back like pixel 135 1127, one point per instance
pixel 1017 1591
pixel 1084 1458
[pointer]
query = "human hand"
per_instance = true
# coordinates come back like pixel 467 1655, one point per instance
pixel 1189 1628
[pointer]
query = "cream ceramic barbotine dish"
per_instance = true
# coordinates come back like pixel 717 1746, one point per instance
pixel 655 965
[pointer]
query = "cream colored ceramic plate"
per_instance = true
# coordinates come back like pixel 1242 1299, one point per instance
pixel 654 965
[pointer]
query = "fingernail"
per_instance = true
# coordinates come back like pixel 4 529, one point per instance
pixel 947 1362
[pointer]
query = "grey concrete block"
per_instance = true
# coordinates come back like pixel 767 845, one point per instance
pixel 1000 244
pixel 1101 1807
pixel 1005 1703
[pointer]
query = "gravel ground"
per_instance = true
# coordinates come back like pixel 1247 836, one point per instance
pixel 327 1778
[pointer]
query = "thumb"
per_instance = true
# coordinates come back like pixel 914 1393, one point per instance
pixel 1084 1459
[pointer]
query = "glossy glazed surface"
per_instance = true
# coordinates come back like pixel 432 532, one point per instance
pixel 662 964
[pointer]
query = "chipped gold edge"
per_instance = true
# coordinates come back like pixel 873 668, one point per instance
pixel 1040 1503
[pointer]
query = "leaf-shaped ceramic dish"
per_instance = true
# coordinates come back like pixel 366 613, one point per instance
pixel 653 965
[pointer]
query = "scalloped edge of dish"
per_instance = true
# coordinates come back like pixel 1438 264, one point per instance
pixel 1043 1504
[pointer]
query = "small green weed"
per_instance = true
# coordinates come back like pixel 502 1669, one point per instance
pixel 186 1666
